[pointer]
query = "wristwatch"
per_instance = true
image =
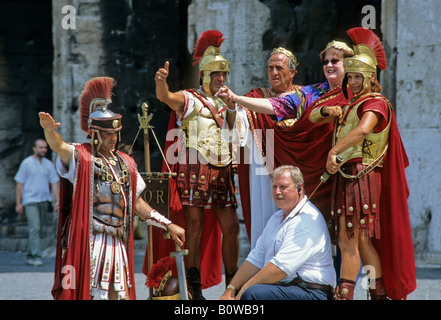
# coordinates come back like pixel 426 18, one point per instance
pixel 230 286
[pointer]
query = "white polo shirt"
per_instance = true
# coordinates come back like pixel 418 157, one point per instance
pixel 36 176
pixel 299 244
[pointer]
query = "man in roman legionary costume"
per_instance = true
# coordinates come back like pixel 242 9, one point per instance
pixel 99 196
pixel 369 212
pixel 202 160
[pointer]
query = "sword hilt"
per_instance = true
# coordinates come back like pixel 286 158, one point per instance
pixel 325 176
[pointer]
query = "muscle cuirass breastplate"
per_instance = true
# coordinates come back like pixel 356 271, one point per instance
pixel 203 133
pixel 371 148
pixel 108 199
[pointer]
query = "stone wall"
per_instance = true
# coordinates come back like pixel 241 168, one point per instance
pixel 26 54
pixel 418 97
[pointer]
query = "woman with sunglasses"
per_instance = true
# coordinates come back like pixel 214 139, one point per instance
pixel 293 105
pixel 369 213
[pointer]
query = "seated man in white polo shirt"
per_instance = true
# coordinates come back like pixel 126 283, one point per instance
pixel 292 259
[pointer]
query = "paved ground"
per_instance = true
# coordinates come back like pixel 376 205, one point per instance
pixel 22 282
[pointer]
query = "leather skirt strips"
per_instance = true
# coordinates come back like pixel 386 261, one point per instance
pixel 358 200
pixel 204 185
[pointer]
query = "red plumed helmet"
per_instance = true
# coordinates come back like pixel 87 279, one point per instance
pixel 207 53
pixel 158 271
pixel 208 38
pixel 368 55
pixel 362 36
pixel 97 94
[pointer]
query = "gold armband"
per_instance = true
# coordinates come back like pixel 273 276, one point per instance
pixel 316 115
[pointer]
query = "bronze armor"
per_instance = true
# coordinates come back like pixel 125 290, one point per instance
pixel 203 133
pixel 372 148
pixel 108 200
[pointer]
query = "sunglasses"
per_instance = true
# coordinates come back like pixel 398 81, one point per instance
pixel 333 61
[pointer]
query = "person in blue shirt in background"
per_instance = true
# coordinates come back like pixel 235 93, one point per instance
pixel 35 179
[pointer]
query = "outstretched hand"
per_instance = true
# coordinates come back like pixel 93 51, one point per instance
pixel 162 73
pixel 227 96
pixel 47 122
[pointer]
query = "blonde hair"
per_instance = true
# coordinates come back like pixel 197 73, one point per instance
pixel 337 45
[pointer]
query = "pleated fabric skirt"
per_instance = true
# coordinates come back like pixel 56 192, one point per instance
pixel 109 265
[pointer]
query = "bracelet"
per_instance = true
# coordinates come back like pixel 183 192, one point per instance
pixel 232 111
pixel 230 286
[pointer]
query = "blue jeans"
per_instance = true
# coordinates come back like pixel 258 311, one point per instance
pixel 35 213
pixel 284 292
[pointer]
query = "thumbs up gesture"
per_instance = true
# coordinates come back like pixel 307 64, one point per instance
pixel 162 73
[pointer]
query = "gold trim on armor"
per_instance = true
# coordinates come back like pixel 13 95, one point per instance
pixel 176 296
pixel 372 153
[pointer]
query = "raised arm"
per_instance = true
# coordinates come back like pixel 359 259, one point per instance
pixel 260 105
pixel 54 139
pixel 175 100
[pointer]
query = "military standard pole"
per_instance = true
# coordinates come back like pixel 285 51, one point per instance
pixel 144 121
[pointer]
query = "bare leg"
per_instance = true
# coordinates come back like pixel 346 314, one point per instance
pixel 372 262
pixel 194 222
pixel 360 246
pixel 113 295
pixel 369 256
pixel 350 262
pixel 229 224
pixel 350 254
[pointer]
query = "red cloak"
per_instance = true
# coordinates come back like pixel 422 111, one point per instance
pixel 301 143
pixel 396 246
pixel 72 268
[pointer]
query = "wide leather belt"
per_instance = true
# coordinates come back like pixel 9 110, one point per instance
pixel 320 286
pixel 100 227
pixel 298 281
